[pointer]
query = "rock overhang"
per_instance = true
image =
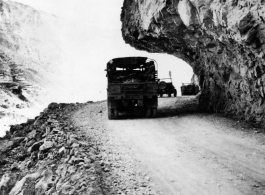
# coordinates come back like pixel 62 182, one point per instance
pixel 221 40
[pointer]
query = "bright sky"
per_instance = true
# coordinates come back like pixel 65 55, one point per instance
pixel 94 38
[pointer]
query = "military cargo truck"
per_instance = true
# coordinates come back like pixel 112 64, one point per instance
pixel 132 86
pixel 189 89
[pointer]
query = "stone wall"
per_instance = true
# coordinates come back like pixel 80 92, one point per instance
pixel 222 40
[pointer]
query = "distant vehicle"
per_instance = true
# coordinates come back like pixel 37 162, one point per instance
pixel 132 86
pixel 166 86
pixel 189 89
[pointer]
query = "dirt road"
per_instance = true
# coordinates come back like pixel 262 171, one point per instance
pixel 194 153
pixel 179 152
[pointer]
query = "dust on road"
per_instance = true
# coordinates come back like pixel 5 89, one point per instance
pixel 194 153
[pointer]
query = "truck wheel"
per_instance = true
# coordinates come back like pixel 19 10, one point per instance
pixel 175 93
pixel 161 94
pixel 162 85
pixel 169 95
pixel 154 112
pixel 148 113
pixel 115 113
pixel 110 114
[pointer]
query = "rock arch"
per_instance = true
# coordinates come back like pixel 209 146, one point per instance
pixel 223 41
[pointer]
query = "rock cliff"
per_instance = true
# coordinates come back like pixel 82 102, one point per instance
pixel 222 40
pixel 30 52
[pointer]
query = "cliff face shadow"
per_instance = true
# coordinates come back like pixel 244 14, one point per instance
pixel 167 107
pixel 181 105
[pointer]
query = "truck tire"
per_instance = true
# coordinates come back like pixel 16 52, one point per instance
pixel 169 95
pixel 154 112
pixel 162 85
pixel 175 93
pixel 161 94
pixel 110 114
pixel 115 113
pixel 148 113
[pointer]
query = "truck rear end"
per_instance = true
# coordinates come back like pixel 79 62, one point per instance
pixel 132 86
pixel 189 89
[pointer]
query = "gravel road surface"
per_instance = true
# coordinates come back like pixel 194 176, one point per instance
pixel 74 149
pixel 192 153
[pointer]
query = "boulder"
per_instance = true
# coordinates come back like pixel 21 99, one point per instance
pixel 7 146
pixel 32 134
pixel 46 146
pixel 35 146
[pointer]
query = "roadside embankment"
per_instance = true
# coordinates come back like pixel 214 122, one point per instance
pixel 67 150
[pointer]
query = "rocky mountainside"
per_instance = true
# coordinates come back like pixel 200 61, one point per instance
pixel 47 153
pixel 30 55
pixel 223 41
pixel 67 150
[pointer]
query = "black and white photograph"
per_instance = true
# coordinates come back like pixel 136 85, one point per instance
pixel 132 97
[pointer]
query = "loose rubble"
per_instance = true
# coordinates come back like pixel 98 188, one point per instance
pixel 67 150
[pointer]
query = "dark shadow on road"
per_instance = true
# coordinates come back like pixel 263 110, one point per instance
pixel 168 107
pixel 178 106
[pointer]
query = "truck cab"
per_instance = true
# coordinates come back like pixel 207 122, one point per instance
pixel 132 86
